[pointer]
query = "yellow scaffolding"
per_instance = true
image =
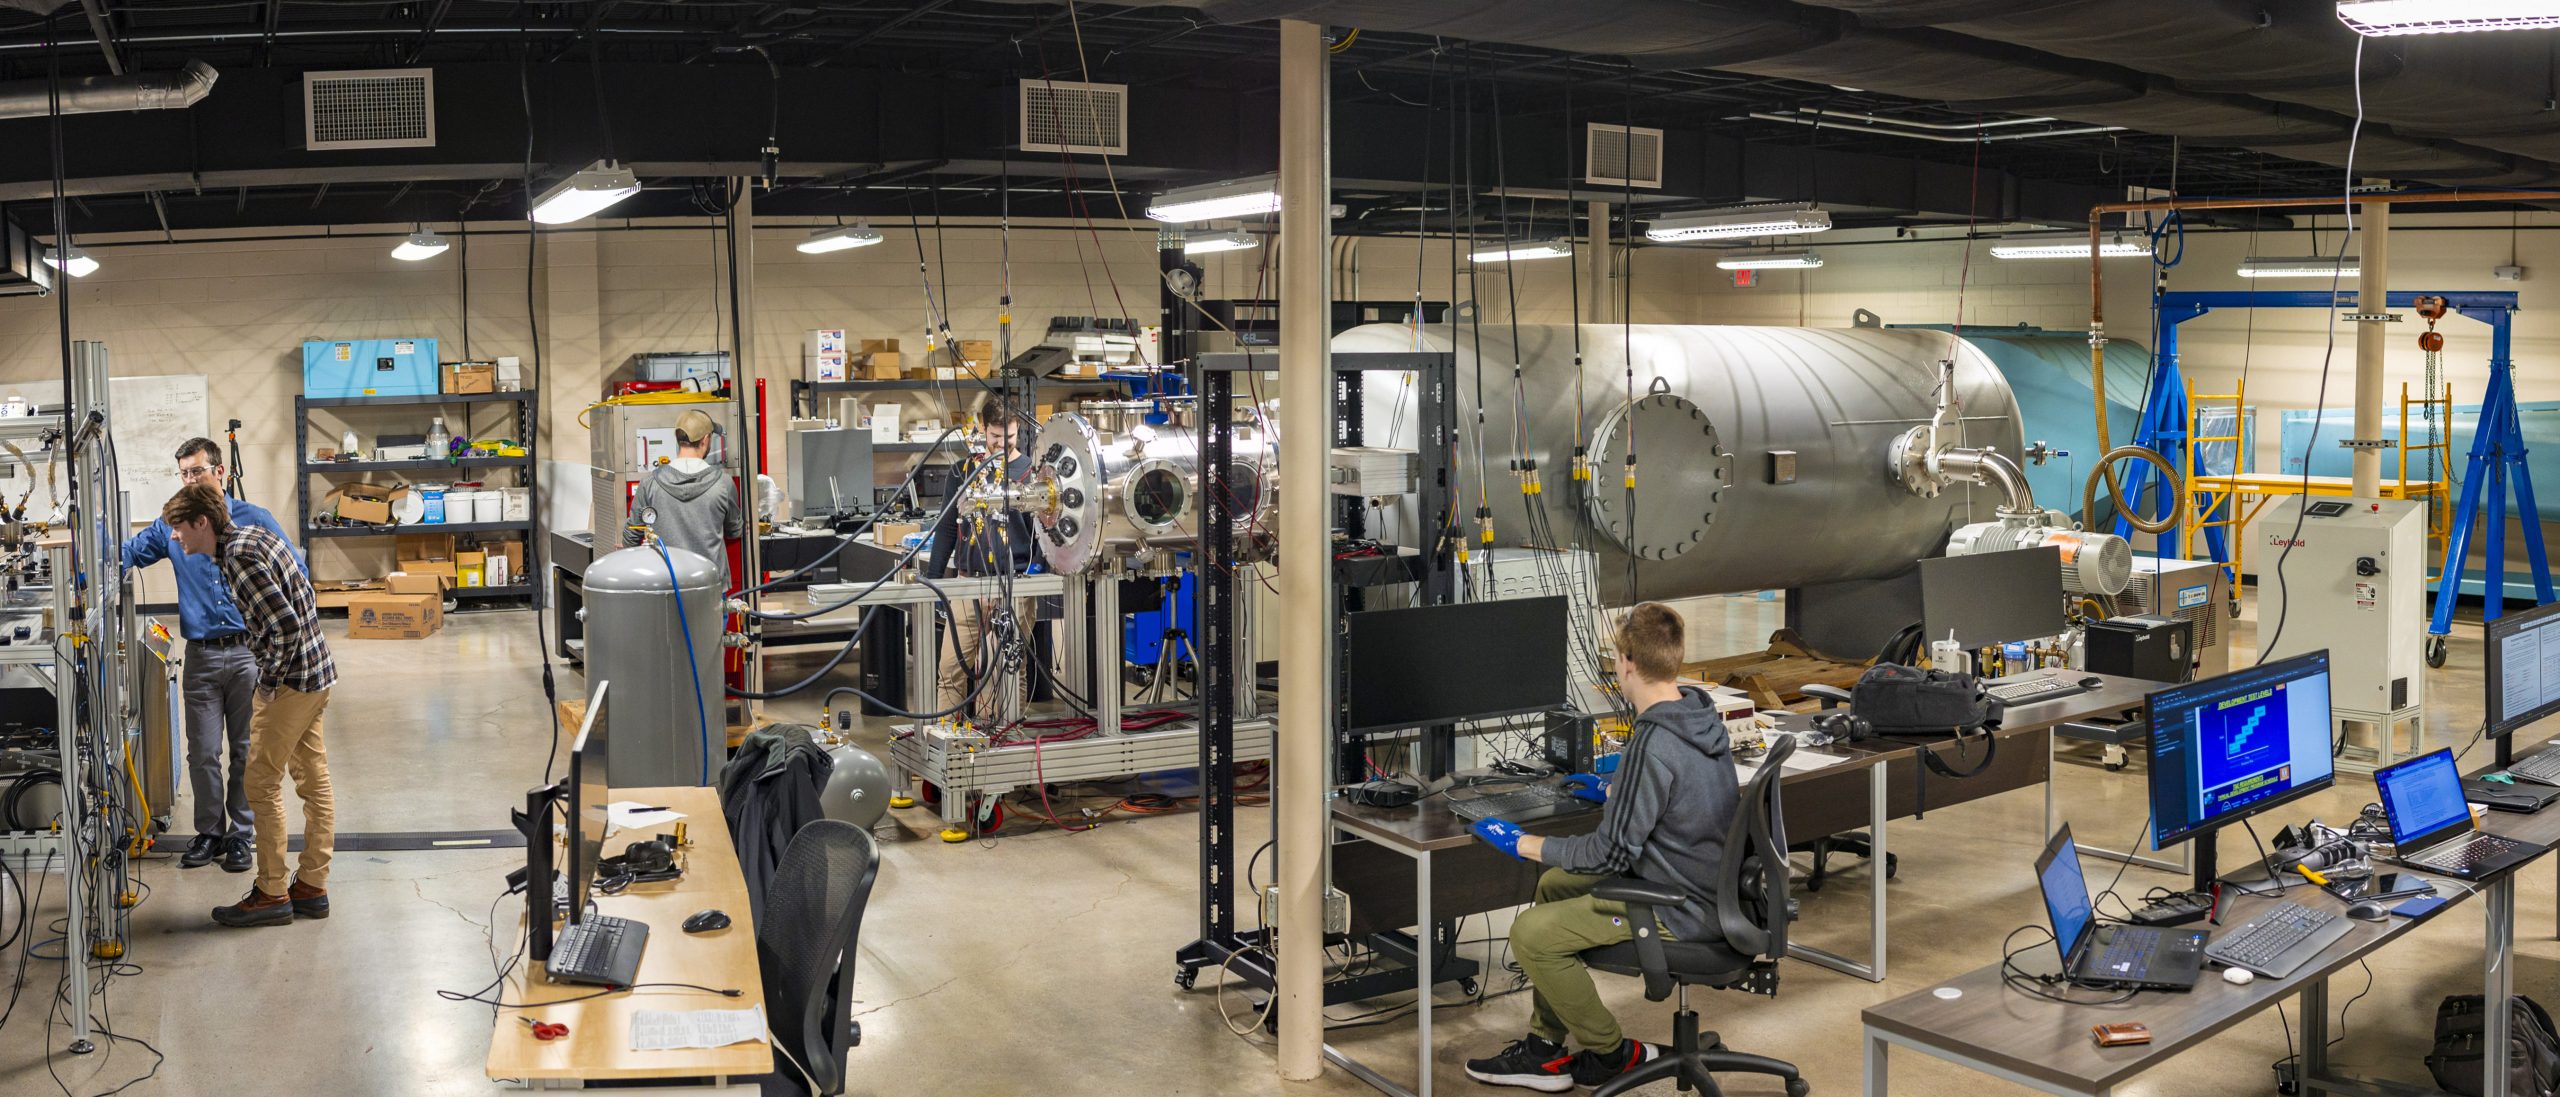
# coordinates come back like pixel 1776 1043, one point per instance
pixel 2230 502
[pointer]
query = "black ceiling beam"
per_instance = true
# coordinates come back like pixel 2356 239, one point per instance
pixel 912 14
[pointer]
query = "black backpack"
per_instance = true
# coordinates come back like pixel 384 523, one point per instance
pixel 2533 1047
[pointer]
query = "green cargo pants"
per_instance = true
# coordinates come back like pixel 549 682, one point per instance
pixel 1549 939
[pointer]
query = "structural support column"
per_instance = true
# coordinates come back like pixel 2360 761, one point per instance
pixel 1306 398
pixel 1597 250
pixel 742 386
pixel 2374 245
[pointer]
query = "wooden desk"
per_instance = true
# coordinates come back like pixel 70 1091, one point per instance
pixel 598 1047
pixel 2046 1046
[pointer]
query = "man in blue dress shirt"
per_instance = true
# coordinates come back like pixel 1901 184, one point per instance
pixel 221 672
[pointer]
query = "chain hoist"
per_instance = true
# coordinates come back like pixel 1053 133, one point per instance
pixel 2432 309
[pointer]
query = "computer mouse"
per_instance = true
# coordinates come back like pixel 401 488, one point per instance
pixel 2368 910
pixel 2092 682
pixel 707 921
pixel 2238 976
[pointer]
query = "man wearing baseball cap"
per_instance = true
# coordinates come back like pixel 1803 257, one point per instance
pixel 690 502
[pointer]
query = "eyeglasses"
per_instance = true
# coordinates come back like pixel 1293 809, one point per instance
pixel 195 472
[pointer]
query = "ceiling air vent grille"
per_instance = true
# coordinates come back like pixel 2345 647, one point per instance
pixel 1622 156
pixel 369 109
pixel 1065 116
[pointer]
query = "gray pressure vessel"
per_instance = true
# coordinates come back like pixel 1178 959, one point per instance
pixel 664 719
pixel 1762 452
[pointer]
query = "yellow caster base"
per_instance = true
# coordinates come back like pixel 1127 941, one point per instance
pixel 902 801
pixel 129 900
pixel 107 950
pixel 954 834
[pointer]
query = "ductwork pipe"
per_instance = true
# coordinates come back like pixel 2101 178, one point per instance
pixel 1984 466
pixel 106 94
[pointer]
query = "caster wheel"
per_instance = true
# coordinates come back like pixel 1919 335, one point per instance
pixel 954 834
pixel 1467 987
pixel 2435 651
pixel 902 801
pixel 2233 608
pixel 1798 1087
pixel 1892 865
pixel 1185 977
pixel 2115 767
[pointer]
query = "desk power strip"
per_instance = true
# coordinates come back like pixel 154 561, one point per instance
pixel 2176 910
pixel 1337 909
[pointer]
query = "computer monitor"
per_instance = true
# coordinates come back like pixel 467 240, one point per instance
pixel 2523 669
pixel 1992 597
pixel 830 472
pixel 1428 665
pixel 590 791
pixel 2231 746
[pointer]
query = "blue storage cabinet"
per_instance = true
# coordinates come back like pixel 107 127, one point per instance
pixel 342 368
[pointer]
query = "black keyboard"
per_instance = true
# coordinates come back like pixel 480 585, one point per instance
pixel 2130 950
pixel 2541 767
pixel 2031 690
pixel 1519 806
pixel 2465 855
pixel 2273 942
pixel 598 951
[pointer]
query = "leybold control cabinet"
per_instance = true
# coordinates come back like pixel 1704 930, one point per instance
pixel 2353 579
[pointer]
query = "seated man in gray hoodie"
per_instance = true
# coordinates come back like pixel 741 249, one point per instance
pixel 1663 819
pixel 689 502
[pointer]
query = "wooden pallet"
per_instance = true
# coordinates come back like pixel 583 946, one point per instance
pixel 1775 677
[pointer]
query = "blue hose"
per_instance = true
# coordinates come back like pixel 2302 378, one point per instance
pixel 692 663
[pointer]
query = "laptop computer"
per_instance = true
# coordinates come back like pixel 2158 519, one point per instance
pixel 2113 956
pixel 2431 825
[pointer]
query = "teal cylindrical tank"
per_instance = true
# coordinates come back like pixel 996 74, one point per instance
pixel 2049 373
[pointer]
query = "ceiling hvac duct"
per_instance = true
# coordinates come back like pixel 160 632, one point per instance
pixel 103 94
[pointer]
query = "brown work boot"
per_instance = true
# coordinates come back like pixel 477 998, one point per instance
pixel 256 909
pixel 308 901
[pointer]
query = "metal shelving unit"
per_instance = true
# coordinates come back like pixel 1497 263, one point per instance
pixel 523 431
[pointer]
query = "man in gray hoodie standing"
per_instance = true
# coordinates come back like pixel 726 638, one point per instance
pixel 690 502
pixel 1662 819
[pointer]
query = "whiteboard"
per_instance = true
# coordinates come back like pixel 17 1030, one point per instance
pixel 150 417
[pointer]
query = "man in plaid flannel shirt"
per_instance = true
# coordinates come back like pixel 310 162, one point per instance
pixel 295 676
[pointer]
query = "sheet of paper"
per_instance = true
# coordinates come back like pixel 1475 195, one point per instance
pixel 634 815
pixel 1802 760
pixel 668 1030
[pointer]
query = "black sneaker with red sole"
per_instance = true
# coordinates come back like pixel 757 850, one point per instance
pixel 1529 1062
pixel 1592 1069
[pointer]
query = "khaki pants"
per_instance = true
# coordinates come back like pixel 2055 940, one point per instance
pixel 1549 939
pixel 961 658
pixel 284 737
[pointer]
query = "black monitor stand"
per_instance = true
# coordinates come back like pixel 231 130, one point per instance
pixel 540 876
pixel 2201 852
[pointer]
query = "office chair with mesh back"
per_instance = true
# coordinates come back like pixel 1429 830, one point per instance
pixel 1749 920
pixel 805 946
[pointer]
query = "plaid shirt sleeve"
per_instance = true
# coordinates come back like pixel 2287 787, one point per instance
pixel 275 601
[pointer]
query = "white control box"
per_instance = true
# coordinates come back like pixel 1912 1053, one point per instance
pixel 2354 581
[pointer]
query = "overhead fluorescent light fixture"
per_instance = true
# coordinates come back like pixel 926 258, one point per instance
pixel 2391 18
pixel 1216 242
pixel 2067 247
pixel 2299 266
pixel 75 262
pixel 839 238
pixel 1217 201
pixel 1768 260
pixel 585 193
pixel 1509 250
pixel 1765 219
pixel 421 245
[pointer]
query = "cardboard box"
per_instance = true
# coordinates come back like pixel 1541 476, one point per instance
pixel 403 582
pixel 422 546
pixel 368 502
pixel 470 568
pixel 470 377
pixel 496 572
pixel 876 366
pixel 877 346
pixel 510 551
pixel 335 594
pixel 890 534
pixel 979 352
pixel 394 616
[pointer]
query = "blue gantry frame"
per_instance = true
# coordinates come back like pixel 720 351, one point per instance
pixel 2497 457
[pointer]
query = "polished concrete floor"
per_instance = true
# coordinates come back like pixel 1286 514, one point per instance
pixel 1040 961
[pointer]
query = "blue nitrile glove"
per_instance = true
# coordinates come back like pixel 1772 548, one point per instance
pixel 1587 786
pixel 1501 834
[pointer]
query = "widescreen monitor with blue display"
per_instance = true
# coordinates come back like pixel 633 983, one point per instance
pixel 2238 744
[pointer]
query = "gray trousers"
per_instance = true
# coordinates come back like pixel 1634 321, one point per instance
pixel 220 683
